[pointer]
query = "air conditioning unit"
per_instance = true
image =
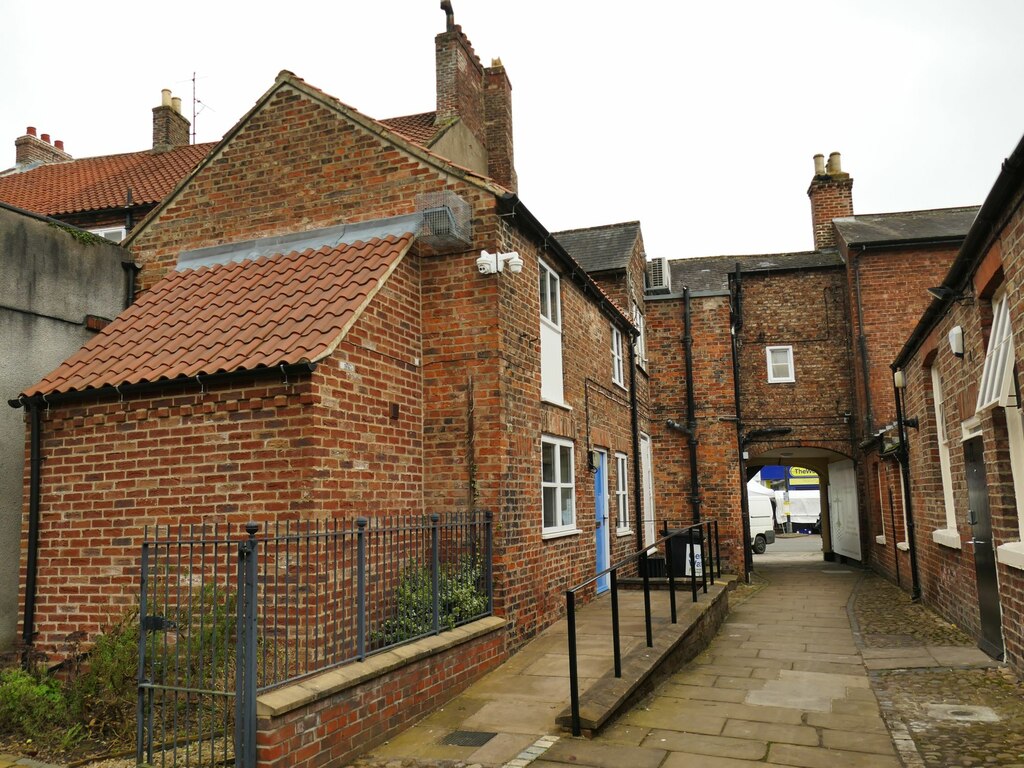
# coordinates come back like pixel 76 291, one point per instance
pixel 659 278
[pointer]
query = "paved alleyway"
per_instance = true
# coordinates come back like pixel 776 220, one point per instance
pixel 818 665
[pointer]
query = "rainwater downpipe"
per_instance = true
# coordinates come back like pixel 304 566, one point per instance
pixel 903 457
pixel 31 567
pixel 862 342
pixel 736 324
pixel 691 409
pixel 634 420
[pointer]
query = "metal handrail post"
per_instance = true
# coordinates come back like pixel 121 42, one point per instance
pixel 718 549
pixel 616 642
pixel 435 574
pixel 703 559
pixel 692 555
pixel 574 682
pixel 489 547
pixel 361 588
pixel 647 598
pixel 249 709
pixel 140 705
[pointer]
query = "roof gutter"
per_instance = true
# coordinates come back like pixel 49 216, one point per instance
pixel 282 370
pixel 986 228
pixel 509 204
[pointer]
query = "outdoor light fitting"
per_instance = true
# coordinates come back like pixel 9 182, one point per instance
pixel 490 263
pixel 956 340
pixel 945 293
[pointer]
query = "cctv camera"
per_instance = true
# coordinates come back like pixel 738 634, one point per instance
pixel 515 262
pixel 486 263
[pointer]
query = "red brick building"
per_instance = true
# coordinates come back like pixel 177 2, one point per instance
pixel 336 321
pixel 960 420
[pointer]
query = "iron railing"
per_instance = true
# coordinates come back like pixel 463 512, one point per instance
pixel 700 539
pixel 223 619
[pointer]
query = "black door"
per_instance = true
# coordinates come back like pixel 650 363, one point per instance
pixel 991 641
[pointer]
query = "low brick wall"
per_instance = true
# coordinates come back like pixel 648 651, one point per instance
pixel 328 719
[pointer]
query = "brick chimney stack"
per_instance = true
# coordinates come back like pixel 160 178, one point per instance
pixel 831 194
pixel 31 148
pixel 170 128
pixel 480 97
pixel 498 120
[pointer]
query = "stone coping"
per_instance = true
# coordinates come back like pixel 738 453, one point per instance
pixel 282 700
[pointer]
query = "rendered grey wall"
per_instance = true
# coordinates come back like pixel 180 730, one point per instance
pixel 49 282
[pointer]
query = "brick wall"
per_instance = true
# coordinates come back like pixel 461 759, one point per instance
pixel 718 459
pixel 334 729
pixel 948 579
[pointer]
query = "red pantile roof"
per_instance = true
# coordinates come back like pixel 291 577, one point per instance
pixel 416 128
pixel 281 310
pixel 99 183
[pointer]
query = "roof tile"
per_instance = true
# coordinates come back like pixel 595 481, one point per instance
pixel 287 309
pixel 98 183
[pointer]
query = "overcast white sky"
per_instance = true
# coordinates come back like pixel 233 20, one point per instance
pixel 700 119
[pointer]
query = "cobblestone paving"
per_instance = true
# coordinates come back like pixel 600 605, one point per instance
pixel 940 708
pixel 888 618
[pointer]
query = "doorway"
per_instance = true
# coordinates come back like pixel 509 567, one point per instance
pixel 844 515
pixel 991 641
pixel 647 474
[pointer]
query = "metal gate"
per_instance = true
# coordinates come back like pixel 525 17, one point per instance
pixel 197 649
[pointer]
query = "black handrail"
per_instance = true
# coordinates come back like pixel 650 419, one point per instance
pixel 696 535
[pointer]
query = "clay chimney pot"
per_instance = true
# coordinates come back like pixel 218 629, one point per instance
pixel 834 164
pixel 45 137
pixel 31 130
pixel 819 165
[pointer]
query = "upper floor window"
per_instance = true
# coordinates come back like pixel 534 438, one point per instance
pixel 617 367
pixel 558 486
pixel 780 364
pixel 551 388
pixel 115 234
pixel 952 538
pixel 997 377
pixel 641 340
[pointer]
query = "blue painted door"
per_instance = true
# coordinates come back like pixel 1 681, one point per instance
pixel 602 543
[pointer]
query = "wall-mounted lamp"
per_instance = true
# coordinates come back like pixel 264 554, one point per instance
pixel 899 379
pixel 945 293
pixel 489 263
pixel 956 341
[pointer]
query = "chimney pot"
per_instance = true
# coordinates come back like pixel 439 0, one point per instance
pixel 59 144
pixel 45 137
pixel 176 104
pixel 31 130
pixel 165 97
pixel 834 164
pixel 819 165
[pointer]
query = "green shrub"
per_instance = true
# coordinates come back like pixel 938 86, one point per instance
pixel 32 706
pixel 459 598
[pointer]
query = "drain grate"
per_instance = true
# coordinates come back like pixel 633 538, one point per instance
pixel 968 713
pixel 468 738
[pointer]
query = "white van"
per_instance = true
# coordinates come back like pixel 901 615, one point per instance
pixel 761 514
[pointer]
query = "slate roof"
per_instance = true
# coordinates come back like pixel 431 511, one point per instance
pixel 600 249
pixel 281 310
pixel 99 183
pixel 711 273
pixel 907 226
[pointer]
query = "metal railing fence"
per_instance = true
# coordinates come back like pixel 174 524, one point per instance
pixel 700 539
pixel 223 619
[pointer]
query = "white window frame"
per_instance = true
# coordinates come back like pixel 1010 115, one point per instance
pixel 105 233
pixel 557 488
pixel 948 536
pixel 996 386
pixel 881 499
pixel 785 379
pixel 622 494
pixel 640 343
pixel 617 366
pixel 549 289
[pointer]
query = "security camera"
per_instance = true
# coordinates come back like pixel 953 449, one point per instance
pixel 515 262
pixel 487 264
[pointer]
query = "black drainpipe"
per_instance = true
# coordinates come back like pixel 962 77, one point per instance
pixel 691 410
pixel 634 419
pixel 862 341
pixel 35 461
pixel 736 317
pixel 903 456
